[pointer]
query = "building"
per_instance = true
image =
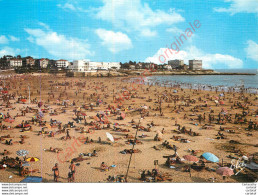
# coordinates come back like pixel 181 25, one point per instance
pixel 195 64
pixel 28 61
pixel 176 64
pixel 138 66
pixel 104 65
pixel 167 67
pixel 15 62
pixel 84 65
pixel 42 63
pixel 132 66
pixel 79 66
pixel 149 66
pixel 62 63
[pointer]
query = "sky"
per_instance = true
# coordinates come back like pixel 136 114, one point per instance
pixel 222 33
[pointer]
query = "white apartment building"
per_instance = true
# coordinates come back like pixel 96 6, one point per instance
pixel 62 63
pixel 15 62
pixel 79 66
pixel 103 65
pixel 84 65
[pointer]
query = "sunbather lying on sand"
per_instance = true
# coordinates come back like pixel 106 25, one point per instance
pixel 53 150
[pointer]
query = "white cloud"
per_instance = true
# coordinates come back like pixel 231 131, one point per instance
pixel 209 60
pixel 114 41
pixel 13 38
pixel 44 25
pixel 68 6
pixel 60 45
pixel 72 7
pixel 148 33
pixel 252 50
pixel 3 39
pixel 238 6
pixel 132 15
pixel 174 30
pixel 9 51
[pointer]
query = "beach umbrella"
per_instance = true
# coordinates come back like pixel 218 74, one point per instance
pixel 4 91
pixel 191 158
pixel 244 157
pixel 32 159
pixel 221 95
pixel 110 137
pixel 23 100
pixel 175 91
pixel 225 171
pixel 40 114
pixel 221 102
pixel 159 134
pixel 40 104
pixel 9 120
pixel 96 118
pixel 210 157
pixel 123 115
pixel 22 152
pixel 83 114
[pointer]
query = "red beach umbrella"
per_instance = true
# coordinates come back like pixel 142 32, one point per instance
pixel 23 100
pixel 225 171
pixel 123 115
pixel 191 158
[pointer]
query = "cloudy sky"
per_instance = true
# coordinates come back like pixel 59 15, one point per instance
pixel 137 30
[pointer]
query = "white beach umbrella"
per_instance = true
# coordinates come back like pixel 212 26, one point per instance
pixel 110 137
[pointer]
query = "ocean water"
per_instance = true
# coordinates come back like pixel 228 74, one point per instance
pixel 210 82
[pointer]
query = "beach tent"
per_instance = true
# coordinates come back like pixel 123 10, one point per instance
pixel 32 179
pixel 210 157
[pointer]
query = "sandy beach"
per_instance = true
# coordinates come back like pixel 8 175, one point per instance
pixel 193 121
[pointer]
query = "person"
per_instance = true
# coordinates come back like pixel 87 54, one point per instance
pixel 21 168
pixel 72 169
pixel 56 172
pixel 70 175
pixel 104 167
pixel 143 176
pixel 68 134
pixel 155 174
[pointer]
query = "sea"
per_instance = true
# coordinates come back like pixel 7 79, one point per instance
pixel 210 82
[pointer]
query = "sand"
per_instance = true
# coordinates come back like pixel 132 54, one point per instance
pixel 88 170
